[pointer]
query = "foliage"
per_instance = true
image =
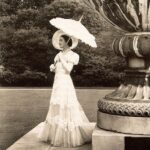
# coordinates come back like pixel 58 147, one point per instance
pixel 26 50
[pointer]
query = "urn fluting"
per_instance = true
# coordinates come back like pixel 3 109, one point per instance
pixel 129 15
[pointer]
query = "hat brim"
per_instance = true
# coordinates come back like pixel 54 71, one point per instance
pixel 56 38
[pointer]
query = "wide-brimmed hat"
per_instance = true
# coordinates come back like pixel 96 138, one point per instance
pixel 56 37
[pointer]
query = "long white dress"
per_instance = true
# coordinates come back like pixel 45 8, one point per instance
pixel 66 124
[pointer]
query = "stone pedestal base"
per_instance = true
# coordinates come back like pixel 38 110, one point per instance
pixel 106 140
pixel 124 124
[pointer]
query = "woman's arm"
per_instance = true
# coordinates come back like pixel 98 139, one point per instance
pixel 68 66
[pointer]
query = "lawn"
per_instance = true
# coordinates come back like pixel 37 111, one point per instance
pixel 23 109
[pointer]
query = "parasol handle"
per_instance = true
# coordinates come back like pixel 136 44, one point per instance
pixel 81 18
pixel 55 63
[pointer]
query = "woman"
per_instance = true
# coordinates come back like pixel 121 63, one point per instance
pixel 66 124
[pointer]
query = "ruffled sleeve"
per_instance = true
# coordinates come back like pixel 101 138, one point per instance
pixel 74 58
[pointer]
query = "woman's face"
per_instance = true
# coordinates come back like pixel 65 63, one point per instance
pixel 62 42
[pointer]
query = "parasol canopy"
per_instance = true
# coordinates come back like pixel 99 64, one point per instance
pixel 74 28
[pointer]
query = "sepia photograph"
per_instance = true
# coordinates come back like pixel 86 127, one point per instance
pixel 74 74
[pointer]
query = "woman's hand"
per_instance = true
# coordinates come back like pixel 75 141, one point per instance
pixel 66 65
pixel 52 68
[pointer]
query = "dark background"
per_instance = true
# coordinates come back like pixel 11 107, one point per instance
pixel 26 50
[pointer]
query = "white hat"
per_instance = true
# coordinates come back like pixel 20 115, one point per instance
pixel 56 37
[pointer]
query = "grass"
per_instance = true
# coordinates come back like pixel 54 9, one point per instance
pixel 22 109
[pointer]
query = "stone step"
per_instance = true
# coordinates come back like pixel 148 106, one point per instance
pixel 31 142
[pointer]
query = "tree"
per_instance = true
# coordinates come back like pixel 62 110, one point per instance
pixel 26 50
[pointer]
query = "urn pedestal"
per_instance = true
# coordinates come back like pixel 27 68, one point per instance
pixel 127 109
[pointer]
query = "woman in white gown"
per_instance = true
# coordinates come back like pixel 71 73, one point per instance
pixel 66 124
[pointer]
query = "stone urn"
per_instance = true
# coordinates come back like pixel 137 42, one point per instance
pixel 127 109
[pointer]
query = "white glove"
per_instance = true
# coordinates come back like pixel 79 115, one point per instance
pixel 52 68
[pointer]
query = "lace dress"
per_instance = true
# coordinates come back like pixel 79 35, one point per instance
pixel 66 124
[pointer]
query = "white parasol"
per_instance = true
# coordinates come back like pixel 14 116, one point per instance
pixel 76 29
